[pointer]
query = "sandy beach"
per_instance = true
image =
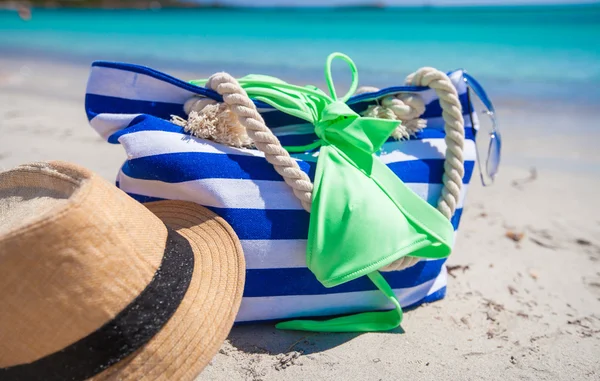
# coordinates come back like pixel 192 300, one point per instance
pixel 523 298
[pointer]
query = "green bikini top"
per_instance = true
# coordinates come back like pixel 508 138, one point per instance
pixel 363 217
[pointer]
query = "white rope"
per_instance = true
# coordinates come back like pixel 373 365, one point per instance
pixel 265 141
pixel 405 107
pixel 454 126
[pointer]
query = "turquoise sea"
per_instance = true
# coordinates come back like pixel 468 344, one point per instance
pixel 550 52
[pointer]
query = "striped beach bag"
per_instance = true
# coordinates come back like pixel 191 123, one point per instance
pixel 434 155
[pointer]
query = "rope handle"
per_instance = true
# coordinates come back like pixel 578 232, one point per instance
pixel 454 127
pixel 265 141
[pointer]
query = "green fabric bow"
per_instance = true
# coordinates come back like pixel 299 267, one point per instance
pixel 363 216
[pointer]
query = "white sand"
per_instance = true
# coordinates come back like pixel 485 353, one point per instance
pixel 528 310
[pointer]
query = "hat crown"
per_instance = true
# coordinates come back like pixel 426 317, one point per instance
pixel 74 251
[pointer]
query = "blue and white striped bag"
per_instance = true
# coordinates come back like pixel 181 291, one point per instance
pixel 131 105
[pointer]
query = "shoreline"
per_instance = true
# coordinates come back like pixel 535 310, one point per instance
pixel 537 94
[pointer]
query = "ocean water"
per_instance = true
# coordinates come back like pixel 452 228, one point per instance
pixel 537 53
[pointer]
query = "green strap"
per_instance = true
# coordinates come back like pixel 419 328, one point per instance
pixel 302 149
pixel 329 77
pixel 363 322
pixel 363 217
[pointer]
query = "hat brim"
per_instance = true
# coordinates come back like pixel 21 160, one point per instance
pixel 195 332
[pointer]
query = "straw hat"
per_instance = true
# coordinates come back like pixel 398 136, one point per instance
pixel 96 285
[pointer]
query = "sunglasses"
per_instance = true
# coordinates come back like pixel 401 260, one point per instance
pixel 488 168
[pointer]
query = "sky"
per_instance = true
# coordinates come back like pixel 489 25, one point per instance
pixel 314 3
